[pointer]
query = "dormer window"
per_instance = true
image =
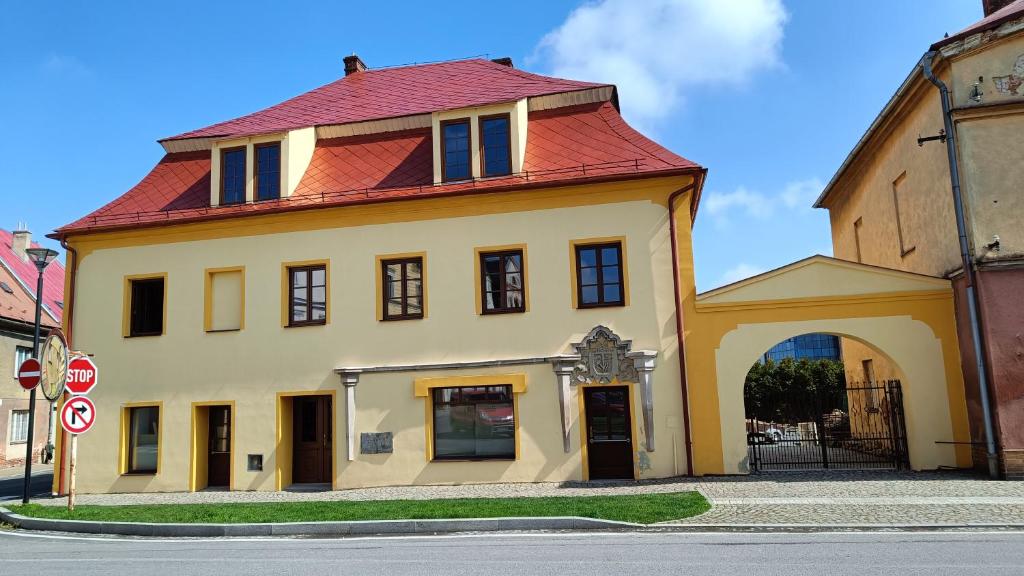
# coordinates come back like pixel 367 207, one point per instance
pixel 495 145
pixel 232 175
pixel 268 171
pixel 455 150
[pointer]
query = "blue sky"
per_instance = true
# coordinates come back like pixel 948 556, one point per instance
pixel 770 95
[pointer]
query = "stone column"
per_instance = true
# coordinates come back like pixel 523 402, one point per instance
pixel 644 361
pixel 349 378
pixel 563 367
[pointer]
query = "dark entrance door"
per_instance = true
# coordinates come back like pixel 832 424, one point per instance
pixel 609 434
pixel 219 463
pixel 311 452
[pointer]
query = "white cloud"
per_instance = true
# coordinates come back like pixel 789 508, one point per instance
pixel 802 194
pixel 657 50
pixel 798 195
pixel 739 272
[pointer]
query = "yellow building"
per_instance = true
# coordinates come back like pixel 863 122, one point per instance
pixel 891 205
pixel 445 273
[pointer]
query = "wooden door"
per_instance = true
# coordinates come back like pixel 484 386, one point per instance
pixel 219 451
pixel 609 432
pixel 311 455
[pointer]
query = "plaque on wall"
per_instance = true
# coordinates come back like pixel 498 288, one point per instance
pixel 375 443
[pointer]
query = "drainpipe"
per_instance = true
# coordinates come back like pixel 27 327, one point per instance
pixel 679 317
pixel 69 317
pixel 968 264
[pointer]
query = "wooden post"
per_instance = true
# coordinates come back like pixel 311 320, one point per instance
pixel 71 473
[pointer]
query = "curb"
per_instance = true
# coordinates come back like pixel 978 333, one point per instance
pixel 811 528
pixel 341 528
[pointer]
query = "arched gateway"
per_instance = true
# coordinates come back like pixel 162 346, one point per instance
pixel 907 317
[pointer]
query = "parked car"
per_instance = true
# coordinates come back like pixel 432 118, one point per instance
pixel 779 435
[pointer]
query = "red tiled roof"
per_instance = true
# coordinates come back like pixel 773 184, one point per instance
pixel 394 92
pixel 564 146
pixel 1011 11
pixel 25 271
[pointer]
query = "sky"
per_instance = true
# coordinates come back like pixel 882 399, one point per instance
pixel 769 95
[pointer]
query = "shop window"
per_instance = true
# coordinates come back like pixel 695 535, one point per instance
pixel 474 423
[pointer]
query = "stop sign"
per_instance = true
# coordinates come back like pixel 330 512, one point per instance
pixel 28 373
pixel 82 375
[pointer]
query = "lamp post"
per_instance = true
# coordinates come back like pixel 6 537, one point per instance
pixel 41 257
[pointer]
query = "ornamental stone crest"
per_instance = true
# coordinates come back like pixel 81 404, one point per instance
pixel 603 358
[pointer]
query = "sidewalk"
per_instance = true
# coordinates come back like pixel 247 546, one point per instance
pixel 807 498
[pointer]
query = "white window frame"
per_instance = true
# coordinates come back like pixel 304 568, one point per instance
pixel 19 358
pixel 19 416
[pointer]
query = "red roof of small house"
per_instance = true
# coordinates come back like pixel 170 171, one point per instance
pixel 25 276
pixel 1011 11
pixel 392 93
pixel 565 146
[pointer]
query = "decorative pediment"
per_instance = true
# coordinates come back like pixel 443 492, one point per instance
pixel 603 358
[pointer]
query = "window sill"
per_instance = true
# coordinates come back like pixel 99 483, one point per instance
pixel 400 318
pixel 18 442
pixel 145 335
pixel 486 312
pixel 605 305
pixel 305 324
pixel 139 474
pixel 211 331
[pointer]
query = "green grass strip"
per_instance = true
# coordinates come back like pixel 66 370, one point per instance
pixel 640 508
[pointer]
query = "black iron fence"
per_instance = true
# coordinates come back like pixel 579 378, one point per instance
pixel 860 428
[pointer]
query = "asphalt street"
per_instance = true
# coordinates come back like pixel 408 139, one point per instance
pixel 12 482
pixel 859 554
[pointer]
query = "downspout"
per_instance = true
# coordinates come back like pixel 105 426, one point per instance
pixel 69 316
pixel 967 262
pixel 679 317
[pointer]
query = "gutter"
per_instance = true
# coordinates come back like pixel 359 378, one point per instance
pixel 968 264
pixel 697 185
pixel 69 318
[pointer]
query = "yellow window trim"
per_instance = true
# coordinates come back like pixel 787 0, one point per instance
pixel 478 288
pixel 126 302
pixel 283 450
pixel 423 386
pixel 285 308
pixel 195 464
pixel 126 409
pixel 572 266
pixel 379 273
pixel 583 424
pixel 208 298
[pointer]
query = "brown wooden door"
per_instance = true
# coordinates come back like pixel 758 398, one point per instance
pixel 219 463
pixel 609 432
pixel 312 440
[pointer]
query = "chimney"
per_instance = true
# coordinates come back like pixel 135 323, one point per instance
pixel 506 61
pixel 353 64
pixel 22 240
pixel 990 6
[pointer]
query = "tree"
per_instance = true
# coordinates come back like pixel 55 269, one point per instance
pixel 794 390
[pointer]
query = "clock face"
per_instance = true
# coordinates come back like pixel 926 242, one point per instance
pixel 54 365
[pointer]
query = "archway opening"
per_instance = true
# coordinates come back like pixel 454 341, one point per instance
pixel 804 410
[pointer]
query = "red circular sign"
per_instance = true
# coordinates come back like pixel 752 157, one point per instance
pixel 28 374
pixel 82 375
pixel 78 415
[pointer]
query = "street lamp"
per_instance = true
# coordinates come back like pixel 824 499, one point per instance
pixel 41 257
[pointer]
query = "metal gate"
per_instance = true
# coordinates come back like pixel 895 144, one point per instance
pixel 861 427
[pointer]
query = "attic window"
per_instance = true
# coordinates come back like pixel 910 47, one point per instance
pixel 268 171
pixel 6 288
pixel 232 175
pixel 455 150
pixel 60 304
pixel 495 145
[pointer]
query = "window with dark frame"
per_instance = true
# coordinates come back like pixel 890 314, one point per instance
pixel 502 284
pixel 599 275
pixel 495 145
pixel 232 175
pixel 403 288
pixel 456 158
pixel 307 295
pixel 268 171
pixel 474 423
pixel 143 439
pixel 147 307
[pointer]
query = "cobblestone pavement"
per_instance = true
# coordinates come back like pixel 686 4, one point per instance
pixel 836 497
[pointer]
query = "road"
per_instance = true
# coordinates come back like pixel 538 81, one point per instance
pixel 12 481
pixel 859 554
